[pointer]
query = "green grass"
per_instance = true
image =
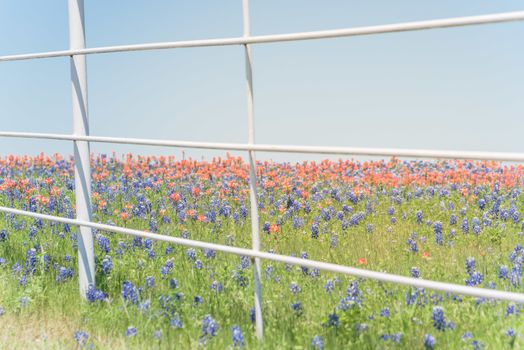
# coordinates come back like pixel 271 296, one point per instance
pixel 55 310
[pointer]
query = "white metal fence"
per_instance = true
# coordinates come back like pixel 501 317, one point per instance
pixel 80 137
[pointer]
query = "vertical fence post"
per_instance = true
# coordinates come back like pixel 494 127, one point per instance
pixel 86 257
pixel 255 234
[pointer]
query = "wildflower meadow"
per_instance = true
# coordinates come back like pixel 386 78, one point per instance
pixel 454 221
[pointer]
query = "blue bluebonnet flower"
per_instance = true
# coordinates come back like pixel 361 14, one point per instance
pixel 453 219
pixel 438 233
pixel 199 265
pixel 137 242
pixel 33 230
pixel 269 271
pixel 385 312
pixel 510 333
pixel 334 241
pixel 481 203
pixel 317 343
pixel 2 311
pixel 396 337
pixel 168 266
pixel 243 211
pixel 439 322
pixel 465 225
pixel 429 341
pixel 30 261
pixel 150 281
pixel 176 322
pixel 515 216
pixel 197 300
pixel 304 255
pixel 466 336
pixel 107 265
pixel 23 280
pixel 157 334
pixel 475 279
pixel 297 307
pixel 346 208
pixel 369 228
pixel 64 273
pixel 81 337
pixel 94 294
pixel 130 292
pixel 333 320
pixel 252 314
pixel 103 243
pixel 245 262
pixel 352 297
pixel 131 331
pixel 298 222
pixel 153 225
pixel 511 310
pixel 314 230
pixel 412 245
pixel 419 216
pixel 191 254
pixel 356 218
pixel 216 286
pixel 173 283
pixel 329 286
pixel 151 254
pixel 294 288
pixel 470 265
pixel 17 268
pixel 415 272
pixel 209 326
pixel 3 235
pixel 237 336
pixel 239 277
pixel 515 276
pixel 210 253
pixel 476 229
pixel 477 345
pixel 325 213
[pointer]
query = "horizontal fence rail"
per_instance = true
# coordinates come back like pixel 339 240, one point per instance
pixel 262 39
pixel 379 276
pixel 360 151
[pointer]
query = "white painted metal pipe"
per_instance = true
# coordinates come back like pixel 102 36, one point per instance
pixel 255 229
pixel 86 256
pixel 358 151
pixel 379 276
pixel 261 39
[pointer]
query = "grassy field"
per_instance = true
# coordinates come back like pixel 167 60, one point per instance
pixel 452 221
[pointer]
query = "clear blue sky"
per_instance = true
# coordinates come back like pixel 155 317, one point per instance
pixel 458 88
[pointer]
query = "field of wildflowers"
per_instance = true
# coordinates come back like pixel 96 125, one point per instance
pixel 455 221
